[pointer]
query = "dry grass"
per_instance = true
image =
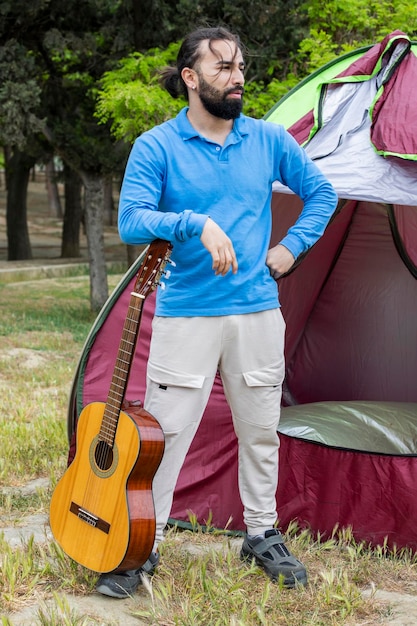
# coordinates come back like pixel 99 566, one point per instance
pixel 201 580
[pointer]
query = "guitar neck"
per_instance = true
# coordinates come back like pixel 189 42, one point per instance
pixel 147 279
pixel 122 368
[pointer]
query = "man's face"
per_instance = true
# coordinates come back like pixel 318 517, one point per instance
pixel 221 79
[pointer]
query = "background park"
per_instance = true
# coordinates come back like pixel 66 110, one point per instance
pixel 78 84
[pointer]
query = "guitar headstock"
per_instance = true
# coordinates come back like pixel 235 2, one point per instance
pixel 152 267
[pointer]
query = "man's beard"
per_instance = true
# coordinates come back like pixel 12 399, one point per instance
pixel 218 104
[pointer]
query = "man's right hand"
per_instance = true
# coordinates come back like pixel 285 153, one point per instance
pixel 215 240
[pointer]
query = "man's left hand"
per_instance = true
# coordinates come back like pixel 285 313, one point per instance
pixel 279 260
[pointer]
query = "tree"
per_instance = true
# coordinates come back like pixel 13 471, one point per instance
pixel 271 30
pixel 70 246
pixel 51 57
pixel 20 97
pixel 339 27
pixel 131 100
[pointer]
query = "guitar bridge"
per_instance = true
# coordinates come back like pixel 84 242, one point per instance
pixel 89 518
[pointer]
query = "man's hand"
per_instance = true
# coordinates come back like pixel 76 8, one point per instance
pixel 215 240
pixel 279 260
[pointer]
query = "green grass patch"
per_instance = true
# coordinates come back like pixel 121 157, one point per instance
pixel 64 308
pixel 201 580
pixel 41 339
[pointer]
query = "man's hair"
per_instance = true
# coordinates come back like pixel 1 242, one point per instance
pixel 189 54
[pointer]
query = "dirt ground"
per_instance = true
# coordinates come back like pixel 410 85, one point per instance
pixel 45 236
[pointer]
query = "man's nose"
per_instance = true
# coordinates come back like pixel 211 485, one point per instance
pixel 238 77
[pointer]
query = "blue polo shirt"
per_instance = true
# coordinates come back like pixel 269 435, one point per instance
pixel 175 178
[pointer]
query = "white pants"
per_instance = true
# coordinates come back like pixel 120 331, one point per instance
pixel 248 351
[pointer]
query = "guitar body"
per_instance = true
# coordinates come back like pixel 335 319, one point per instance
pixel 102 510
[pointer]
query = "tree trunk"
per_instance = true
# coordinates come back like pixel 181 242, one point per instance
pixel 18 168
pixel 70 246
pixel 108 201
pixel 94 209
pixel 133 252
pixel 55 208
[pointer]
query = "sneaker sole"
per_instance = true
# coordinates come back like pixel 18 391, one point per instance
pixel 106 591
pixel 296 579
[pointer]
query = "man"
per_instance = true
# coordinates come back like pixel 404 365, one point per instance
pixel 203 181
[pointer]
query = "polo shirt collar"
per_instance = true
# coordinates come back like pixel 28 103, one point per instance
pixel 187 131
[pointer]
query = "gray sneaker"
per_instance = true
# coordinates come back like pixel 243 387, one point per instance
pixel 272 555
pixel 124 584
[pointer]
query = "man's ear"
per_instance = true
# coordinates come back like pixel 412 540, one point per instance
pixel 189 77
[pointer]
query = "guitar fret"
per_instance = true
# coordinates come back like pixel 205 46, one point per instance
pixel 116 394
pixel 108 426
pixel 127 348
pixel 127 351
pixel 123 361
pixel 114 411
pixel 111 418
pixel 130 331
pixel 107 431
pixel 128 340
pixel 107 434
pixel 122 378
pixel 114 400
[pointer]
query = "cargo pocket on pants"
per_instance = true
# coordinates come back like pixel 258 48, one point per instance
pixel 176 399
pixel 259 400
pixel 271 376
pixel 170 378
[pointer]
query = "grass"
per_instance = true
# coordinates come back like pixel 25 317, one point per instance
pixel 201 580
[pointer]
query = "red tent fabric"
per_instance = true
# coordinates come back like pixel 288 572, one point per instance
pixel 351 336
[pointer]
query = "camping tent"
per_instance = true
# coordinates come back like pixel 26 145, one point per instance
pixel 349 419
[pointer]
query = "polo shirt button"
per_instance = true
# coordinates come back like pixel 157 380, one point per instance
pixel 217 148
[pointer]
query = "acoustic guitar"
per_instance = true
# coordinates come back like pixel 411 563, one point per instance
pixel 102 511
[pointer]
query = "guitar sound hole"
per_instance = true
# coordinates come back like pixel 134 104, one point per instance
pixel 103 455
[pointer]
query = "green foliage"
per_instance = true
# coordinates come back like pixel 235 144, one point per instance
pixel 260 98
pixel 20 95
pixel 131 99
pixel 52 55
pixel 271 30
pixel 355 22
pixel 339 27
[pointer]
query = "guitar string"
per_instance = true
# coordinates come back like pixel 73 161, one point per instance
pixel 127 345
pixel 126 348
pixel 92 494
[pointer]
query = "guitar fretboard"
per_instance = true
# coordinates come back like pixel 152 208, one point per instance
pixel 147 279
pixel 121 369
